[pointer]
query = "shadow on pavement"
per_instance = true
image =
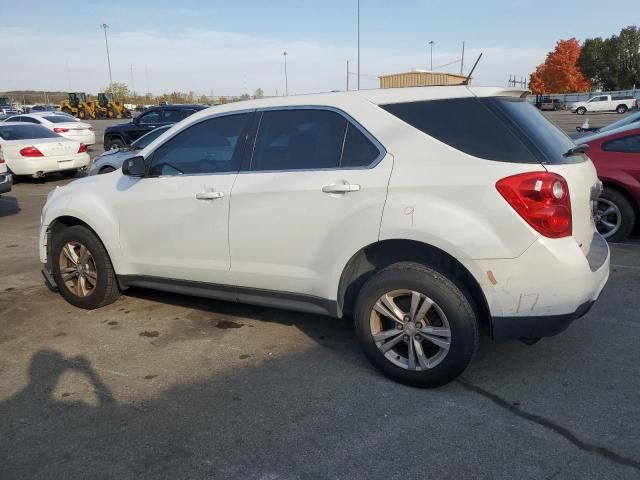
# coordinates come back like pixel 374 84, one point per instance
pixel 8 205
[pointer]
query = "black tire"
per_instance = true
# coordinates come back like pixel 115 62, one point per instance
pixel 106 290
pixel 114 143
pixel 106 170
pixel 622 109
pixel 452 301
pixel 627 213
pixel 69 173
pixel 581 111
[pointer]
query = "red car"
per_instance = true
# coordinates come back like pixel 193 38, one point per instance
pixel 616 155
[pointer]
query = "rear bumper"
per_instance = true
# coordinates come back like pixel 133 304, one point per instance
pixel 504 328
pixel 541 292
pixel 41 165
pixel 6 181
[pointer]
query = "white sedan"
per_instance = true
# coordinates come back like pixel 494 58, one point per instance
pixel 34 150
pixel 60 124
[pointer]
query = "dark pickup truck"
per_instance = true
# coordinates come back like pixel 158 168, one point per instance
pixel 122 135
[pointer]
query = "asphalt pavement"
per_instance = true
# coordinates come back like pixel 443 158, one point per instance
pixel 168 386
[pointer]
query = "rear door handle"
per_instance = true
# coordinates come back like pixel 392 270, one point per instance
pixel 209 195
pixel 342 187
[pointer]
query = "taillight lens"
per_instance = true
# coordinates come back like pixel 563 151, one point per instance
pixel 541 199
pixel 31 152
pixel 83 148
pixel 60 130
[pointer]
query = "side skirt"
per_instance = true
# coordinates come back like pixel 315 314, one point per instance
pixel 229 293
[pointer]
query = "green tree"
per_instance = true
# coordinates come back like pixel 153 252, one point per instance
pixel 613 63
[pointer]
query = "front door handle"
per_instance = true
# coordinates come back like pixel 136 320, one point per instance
pixel 341 187
pixel 209 195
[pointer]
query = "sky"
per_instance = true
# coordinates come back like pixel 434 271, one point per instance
pixel 219 47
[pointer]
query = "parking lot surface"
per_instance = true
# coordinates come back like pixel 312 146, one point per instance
pixel 167 386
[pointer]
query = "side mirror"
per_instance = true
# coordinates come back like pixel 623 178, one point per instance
pixel 134 167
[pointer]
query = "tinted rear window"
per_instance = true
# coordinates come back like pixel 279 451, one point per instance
pixel 497 128
pixel 57 119
pixel 25 132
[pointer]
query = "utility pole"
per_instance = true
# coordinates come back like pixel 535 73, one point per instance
pixel 358 44
pixel 106 43
pixel 133 83
pixel 347 75
pixel 431 48
pixel 286 79
pixel 462 61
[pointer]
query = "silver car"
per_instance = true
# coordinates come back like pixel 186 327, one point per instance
pixel 112 159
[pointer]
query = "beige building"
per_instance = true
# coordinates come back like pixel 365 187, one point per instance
pixel 420 78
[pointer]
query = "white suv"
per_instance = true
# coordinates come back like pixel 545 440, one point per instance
pixel 429 214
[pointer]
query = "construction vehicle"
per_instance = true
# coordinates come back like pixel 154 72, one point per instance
pixel 78 106
pixel 107 107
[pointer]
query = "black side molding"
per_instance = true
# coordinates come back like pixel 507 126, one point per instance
pixel 253 296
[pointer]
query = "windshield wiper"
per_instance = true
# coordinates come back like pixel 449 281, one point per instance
pixel 577 150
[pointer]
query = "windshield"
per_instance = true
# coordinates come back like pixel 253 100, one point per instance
pixel 621 123
pixel 27 131
pixel 142 142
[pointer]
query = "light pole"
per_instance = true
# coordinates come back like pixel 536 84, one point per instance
pixel 358 1
pixel 286 79
pixel 431 63
pixel 106 43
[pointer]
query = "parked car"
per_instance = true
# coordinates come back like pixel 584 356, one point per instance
pixel 60 124
pixel 34 150
pixel 552 104
pixel 616 155
pixel 6 179
pixel 581 132
pixel 122 135
pixel 112 159
pixel 42 108
pixel 426 213
pixel 604 103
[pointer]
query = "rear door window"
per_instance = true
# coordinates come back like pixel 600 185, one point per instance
pixel 628 144
pixel 502 129
pixel 299 139
pixel 171 116
pixel 30 120
pixel 149 118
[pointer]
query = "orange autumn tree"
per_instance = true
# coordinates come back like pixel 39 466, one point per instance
pixel 560 73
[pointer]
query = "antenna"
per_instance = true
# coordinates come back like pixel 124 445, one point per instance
pixel 462 61
pixel 466 81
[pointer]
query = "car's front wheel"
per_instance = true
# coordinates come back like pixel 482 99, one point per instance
pixel 114 143
pixel 82 268
pixel 581 111
pixel 614 215
pixel 416 325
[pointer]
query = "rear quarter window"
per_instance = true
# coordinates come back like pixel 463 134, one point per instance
pixel 496 128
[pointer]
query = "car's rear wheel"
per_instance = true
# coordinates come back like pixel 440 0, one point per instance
pixel 82 268
pixel 615 216
pixel 416 325
pixel 622 109
pixel 581 111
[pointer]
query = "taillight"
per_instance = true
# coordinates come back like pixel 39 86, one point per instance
pixel 541 199
pixel 60 130
pixel 83 148
pixel 31 152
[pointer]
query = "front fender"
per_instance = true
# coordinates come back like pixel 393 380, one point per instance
pixel 89 209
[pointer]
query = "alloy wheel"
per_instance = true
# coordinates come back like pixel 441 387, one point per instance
pixel 410 330
pixel 78 269
pixel 608 217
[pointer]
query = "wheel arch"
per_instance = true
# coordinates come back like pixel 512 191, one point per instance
pixel 376 256
pixel 66 221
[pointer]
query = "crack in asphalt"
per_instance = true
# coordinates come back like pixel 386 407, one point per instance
pixel 548 424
